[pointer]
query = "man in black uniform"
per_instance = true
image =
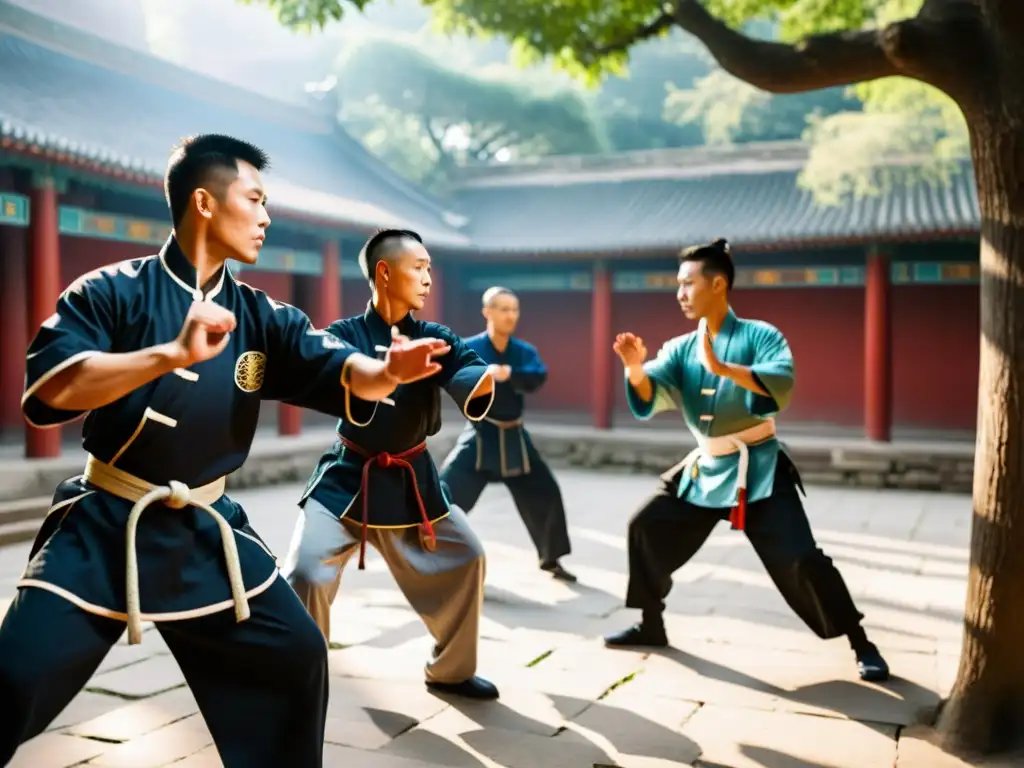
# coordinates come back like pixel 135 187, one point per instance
pixel 498 448
pixel 171 357
pixel 378 483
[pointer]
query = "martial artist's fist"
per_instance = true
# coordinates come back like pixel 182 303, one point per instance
pixel 630 349
pixel 407 361
pixel 500 372
pixel 205 333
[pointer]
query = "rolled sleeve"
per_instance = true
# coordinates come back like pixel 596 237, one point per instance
pixel 773 368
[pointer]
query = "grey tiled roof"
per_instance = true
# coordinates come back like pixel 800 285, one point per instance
pixel 658 211
pixel 126 122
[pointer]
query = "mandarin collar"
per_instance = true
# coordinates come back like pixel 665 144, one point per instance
pixel 380 329
pixel 177 265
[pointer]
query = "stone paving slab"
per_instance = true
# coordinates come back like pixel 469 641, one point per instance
pixel 755 739
pixel 745 683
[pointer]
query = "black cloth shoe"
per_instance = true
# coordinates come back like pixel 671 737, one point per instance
pixel 871 667
pixel 474 688
pixel 644 635
pixel 555 569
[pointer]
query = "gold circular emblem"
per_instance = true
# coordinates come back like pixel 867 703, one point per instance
pixel 249 370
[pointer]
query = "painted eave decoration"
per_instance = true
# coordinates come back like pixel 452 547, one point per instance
pixel 289 199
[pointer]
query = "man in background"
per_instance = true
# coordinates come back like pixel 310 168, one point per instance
pixel 498 449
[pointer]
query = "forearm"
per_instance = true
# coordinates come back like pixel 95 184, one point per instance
pixel 742 376
pixel 640 382
pixel 367 378
pixel 527 381
pixel 106 377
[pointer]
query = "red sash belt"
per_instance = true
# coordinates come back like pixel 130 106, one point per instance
pixel 385 459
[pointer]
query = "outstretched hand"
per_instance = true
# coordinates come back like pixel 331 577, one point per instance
pixel 407 361
pixel 630 349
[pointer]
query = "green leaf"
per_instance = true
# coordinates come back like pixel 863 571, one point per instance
pixel 897 116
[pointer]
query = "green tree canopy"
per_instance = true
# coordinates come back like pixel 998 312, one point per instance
pixel 426 118
pixel 595 40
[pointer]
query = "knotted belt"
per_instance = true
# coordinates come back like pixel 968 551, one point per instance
pixel 176 496
pixel 503 426
pixel 725 445
pixel 385 459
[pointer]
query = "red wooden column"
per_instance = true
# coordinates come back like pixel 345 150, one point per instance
pixel 289 418
pixel 877 348
pixel 43 290
pixel 13 326
pixel 601 353
pixel 329 293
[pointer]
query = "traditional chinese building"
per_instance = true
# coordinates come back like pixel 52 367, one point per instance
pixel 879 298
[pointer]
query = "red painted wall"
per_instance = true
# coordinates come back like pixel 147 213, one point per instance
pixel 355 293
pixel 824 329
pixel 79 255
pixel 278 285
pixel 936 344
pixel 13 327
pixel 558 324
pixel 932 326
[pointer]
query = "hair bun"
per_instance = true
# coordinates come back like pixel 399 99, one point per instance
pixel 721 244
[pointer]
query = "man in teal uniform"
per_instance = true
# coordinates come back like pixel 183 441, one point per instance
pixel 728 379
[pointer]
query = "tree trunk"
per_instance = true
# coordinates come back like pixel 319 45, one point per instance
pixel 985 711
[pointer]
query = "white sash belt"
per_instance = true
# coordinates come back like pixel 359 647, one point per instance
pixel 725 445
pixel 176 496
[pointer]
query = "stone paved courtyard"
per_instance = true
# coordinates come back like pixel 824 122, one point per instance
pixel 745 684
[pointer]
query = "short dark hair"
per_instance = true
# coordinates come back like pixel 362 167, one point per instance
pixel 197 158
pixel 715 258
pixel 380 244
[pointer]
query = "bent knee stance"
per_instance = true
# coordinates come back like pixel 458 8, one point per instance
pixel 317 542
pixel 305 651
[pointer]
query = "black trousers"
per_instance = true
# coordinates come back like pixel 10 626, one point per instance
pixel 261 685
pixel 537 497
pixel 667 531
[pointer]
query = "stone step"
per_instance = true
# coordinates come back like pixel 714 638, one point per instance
pixel 18 533
pixel 20 519
pixel 20 510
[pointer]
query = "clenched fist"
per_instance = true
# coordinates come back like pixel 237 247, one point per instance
pixel 204 334
pixel 630 349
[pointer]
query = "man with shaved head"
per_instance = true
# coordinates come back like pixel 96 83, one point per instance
pixel 378 484
pixel 498 449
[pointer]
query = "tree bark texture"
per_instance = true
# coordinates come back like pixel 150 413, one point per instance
pixel 985 710
pixel 974 51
